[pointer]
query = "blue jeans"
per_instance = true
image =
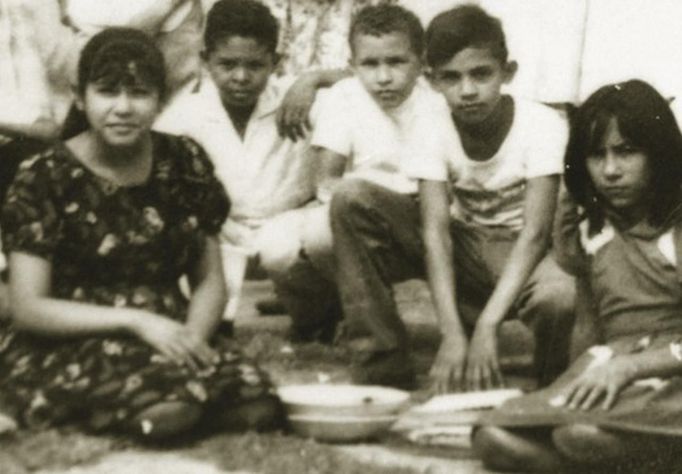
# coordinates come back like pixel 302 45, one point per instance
pixel 378 242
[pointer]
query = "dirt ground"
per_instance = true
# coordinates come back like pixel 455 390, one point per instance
pixel 67 451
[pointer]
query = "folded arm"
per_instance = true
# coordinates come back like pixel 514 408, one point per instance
pixel 35 310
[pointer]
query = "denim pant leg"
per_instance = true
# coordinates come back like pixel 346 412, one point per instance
pixel 547 306
pixel 377 242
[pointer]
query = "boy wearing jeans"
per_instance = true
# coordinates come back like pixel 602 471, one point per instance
pixel 367 127
pixel 486 247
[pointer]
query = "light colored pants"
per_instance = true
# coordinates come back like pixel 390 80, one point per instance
pixel 295 249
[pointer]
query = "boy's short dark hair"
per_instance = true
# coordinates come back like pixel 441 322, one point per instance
pixel 384 19
pixel 247 18
pixel 464 27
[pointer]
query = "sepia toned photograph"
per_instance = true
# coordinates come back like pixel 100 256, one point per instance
pixel 340 236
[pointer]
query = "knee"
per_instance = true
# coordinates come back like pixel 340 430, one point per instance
pixel 587 444
pixel 166 419
pixel 350 196
pixel 553 303
pixel 278 248
pixel 491 446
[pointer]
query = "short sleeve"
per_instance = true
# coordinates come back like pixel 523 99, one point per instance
pixel 435 143
pixel 548 136
pixel 332 121
pixel 201 194
pixel 30 220
pixel 567 247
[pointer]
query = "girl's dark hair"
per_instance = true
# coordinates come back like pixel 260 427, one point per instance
pixel 117 56
pixel 644 118
pixel 465 26
pixel 246 18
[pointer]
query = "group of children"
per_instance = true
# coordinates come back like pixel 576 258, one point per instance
pixel 337 216
pixel 417 164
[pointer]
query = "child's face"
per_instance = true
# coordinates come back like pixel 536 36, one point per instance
pixel 240 68
pixel 471 82
pixel 620 171
pixel 387 66
pixel 120 115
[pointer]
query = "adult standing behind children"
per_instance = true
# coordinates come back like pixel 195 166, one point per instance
pixel 232 113
pixel 368 127
pixel 487 258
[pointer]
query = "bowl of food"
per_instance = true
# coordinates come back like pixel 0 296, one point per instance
pixel 342 412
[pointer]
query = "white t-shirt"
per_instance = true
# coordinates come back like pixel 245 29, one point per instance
pixel 264 174
pixel 377 143
pixel 492 192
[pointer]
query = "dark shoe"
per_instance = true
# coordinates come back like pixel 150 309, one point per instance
pixel 390 368
pixel 322 333
pixel 226 328
pixel 271 306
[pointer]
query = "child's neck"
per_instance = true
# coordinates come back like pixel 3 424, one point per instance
pixel 481 141
pixel 240 117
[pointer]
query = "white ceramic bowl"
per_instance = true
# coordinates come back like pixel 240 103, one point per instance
pixel 340 428
pixel 342 400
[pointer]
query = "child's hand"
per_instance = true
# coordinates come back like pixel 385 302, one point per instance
pixel 448 368
pixel 604 381
pixel 175 341
pixel 483 368
pixel 293 115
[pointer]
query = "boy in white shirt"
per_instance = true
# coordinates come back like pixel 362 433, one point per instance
pixel 232 114
pixel 486 254
pixel 368 126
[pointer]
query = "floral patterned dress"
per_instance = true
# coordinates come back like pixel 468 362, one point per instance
pixel 121 246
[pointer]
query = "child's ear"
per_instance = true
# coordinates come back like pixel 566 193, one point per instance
pixel 510 70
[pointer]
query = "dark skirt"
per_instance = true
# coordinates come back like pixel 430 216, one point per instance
pixel 650 406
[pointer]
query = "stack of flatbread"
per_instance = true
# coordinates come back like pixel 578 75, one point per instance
pixel 446 420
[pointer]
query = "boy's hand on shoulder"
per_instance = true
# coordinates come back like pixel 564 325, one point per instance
pixel 483 368
pixel 447 370
pixel 293 115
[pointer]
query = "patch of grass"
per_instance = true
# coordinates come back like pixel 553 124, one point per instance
pixel 26 450
pixel 275 453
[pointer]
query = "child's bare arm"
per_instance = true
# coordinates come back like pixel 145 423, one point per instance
pixel 448 367
pixel 330 169
pixel 208 291
pixel 35 310
pixel 530 247
pixel 603 383
pixel 293 115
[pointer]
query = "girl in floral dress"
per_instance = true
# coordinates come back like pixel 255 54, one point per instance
pixel 619 404
pixel 99 229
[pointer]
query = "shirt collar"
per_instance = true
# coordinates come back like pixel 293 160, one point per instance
pixel 267 104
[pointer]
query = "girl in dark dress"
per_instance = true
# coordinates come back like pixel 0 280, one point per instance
pixel 99 229
pixel 620 402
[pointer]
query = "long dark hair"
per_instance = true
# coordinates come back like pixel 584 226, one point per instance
pixel 644 118
pixel 119 56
